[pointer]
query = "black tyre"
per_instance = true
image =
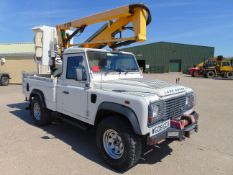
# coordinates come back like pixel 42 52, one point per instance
pixel 41 115
pixel 210 74
pixel 195 74
pixel 5 81
pixel 229 74
pixel 117 143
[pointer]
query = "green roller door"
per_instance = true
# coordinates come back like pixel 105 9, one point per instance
pixel 175 66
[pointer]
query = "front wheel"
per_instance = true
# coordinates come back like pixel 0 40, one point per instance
pixel 117 143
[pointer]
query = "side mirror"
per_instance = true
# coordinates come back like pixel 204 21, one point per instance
pixel 79 73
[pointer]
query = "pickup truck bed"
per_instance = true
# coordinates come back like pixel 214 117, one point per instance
pixel 43 83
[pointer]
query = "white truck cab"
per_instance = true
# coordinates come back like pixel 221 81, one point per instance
pixel 106 90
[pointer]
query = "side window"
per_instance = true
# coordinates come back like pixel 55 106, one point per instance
pixel 225 63
pixel 73 63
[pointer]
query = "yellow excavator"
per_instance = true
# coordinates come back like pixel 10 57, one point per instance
pixel 213 67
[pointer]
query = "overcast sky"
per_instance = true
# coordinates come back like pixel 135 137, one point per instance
pixel 201 22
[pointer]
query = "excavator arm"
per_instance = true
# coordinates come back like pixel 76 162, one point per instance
pixel 118 20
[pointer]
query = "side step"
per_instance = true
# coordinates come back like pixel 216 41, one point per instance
pixel 73 121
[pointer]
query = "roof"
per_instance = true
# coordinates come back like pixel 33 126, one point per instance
pixel 163 42
pixel 195 45
pixel 17 49
pixel 75 49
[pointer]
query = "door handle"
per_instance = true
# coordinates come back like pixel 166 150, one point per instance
pixel 65 92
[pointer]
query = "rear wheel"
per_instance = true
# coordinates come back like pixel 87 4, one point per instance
pixel 117 143
pixel 41 115
pixel 210 74
pixel 229 74
pixel 195 74
pixel 5 81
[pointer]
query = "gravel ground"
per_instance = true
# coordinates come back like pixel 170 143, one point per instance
pixel 64 149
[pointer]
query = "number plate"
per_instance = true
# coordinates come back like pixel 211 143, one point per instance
pixel 173 134
pixel 160 127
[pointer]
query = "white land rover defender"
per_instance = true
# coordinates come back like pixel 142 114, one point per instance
pixel 105 90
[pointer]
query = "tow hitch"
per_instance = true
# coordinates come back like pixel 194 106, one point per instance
pixel 183 127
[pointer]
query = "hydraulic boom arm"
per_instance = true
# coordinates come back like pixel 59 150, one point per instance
pixel 117 21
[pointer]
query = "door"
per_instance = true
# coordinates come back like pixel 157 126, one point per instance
pixel 175 66
pixel 142 64
pixel 73 94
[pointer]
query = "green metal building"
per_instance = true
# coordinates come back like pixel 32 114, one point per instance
pixel 163 57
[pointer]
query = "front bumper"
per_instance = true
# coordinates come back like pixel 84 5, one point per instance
pixel 178 130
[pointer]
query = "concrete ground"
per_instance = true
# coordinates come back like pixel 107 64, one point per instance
pixel 64 149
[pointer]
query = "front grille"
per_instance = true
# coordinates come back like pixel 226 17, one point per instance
pixel 170 108
pixel 175 107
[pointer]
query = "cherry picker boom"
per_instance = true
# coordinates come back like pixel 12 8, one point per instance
pixel 118 19
pixel 50 42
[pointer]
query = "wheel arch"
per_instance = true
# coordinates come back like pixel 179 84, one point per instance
pixel 40 94
pixel 5 74
pixel 107 109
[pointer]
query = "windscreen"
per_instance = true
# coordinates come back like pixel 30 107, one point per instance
pixel 111 62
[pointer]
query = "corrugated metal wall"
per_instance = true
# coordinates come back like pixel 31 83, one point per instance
pixel 158 55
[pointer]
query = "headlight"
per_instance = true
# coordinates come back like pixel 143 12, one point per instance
pixel 153 112
pixel 190 101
